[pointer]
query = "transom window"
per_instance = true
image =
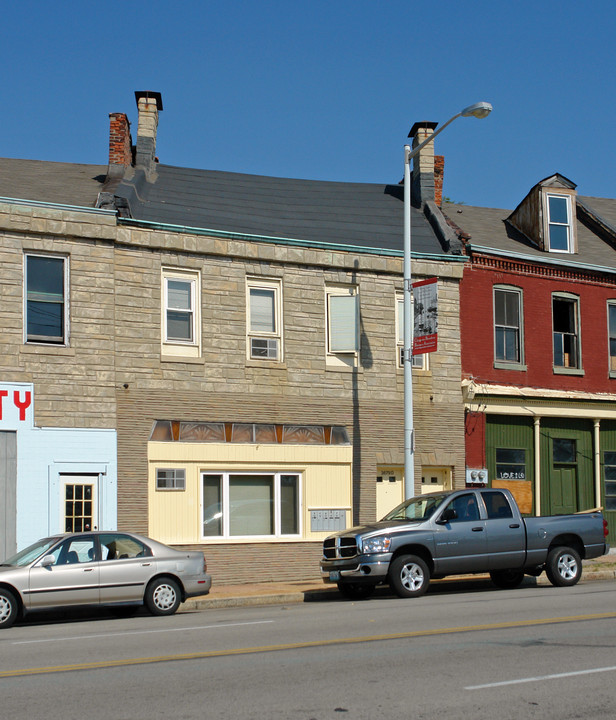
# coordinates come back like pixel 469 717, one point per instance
pixel 250 504
pixel 559 223
pixel 507 325
pixel 566 341
pixel 45 299
pixel 264 319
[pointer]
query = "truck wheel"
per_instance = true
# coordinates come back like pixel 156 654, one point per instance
pixel 507 579
pixel 356 591
pixel 563 566
pixel 409 576
pixel 8 608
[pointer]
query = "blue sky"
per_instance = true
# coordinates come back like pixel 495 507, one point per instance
pixel 322 89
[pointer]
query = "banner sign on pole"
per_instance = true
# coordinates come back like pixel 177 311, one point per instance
pixel 425 301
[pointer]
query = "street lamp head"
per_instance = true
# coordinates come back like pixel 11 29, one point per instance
pixel 478 110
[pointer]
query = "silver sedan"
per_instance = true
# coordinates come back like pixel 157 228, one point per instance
pixel 117 569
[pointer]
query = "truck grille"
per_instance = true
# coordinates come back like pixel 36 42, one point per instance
pixel 339 547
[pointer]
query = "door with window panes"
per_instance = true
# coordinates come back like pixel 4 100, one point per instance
pixel 80 501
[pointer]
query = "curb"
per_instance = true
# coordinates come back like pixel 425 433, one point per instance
pixel 331 593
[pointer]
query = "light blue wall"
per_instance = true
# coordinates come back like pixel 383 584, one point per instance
pixel 43 455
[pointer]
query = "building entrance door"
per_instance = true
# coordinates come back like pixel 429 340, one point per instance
pixel 389 490
pixel 564 480
pixel 8 493
pixel 80 502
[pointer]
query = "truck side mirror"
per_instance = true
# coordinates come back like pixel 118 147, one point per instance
pixel 447 515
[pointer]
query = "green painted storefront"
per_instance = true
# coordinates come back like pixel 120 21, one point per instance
pixel 567 449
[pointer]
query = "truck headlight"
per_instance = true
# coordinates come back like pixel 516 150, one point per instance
pixel 376 545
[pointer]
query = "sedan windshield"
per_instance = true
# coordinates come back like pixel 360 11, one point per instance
pixel 29 554
pixel 417 508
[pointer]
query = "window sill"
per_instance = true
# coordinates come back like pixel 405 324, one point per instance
pixel 501 365
pixel 45 348
pixel 186 359
pixel 273 364
pixel 568 371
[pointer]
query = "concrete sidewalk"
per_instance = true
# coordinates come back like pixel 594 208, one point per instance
pixel 315 590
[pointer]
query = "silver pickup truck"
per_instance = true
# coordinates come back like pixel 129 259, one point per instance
pixel 456 533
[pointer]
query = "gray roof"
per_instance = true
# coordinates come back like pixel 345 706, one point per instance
pixel 487 228
pixel 52 182
pixel 354 214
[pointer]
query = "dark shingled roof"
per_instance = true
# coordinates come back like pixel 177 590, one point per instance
pixel 487 228
pixel 357 214
pixel 52 182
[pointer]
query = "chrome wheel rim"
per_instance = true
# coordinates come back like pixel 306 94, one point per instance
pixel 5 609
pixel 567 566
pixel 412 577
pixel 164 597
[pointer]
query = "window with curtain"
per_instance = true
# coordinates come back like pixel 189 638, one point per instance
pixel 342 320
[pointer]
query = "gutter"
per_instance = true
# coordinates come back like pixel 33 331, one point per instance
pixel 57 206
pixel 292 242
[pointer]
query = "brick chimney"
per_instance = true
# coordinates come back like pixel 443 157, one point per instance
pixel 149 105
pixel 422 183
pixel 120 144
pixel 439 170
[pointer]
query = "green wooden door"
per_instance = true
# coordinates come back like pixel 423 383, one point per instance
pixel 608 476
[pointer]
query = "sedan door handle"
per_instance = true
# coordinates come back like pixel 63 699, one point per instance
pixel 513 526
pixel 477 529
pixel 88 569
pixel 145 564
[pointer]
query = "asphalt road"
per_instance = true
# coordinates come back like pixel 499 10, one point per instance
pixel 534 652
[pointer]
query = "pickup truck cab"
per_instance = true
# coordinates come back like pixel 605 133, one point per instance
pixel 456 533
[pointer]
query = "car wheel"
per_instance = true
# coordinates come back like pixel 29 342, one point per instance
pixel 563 567
pixel 409 576
pixel 162 596
pixel 507 579
pixel 356 591
pixel 8 608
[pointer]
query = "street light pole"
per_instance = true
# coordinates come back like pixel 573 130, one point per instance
pixel 478 110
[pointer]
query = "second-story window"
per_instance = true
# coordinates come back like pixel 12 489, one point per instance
pixel 508 325
pixel 180 316
pixel 611 335
pixel 46 299
pixel 559 223
pixel 342 325
pixel 566 335
pixel 264 319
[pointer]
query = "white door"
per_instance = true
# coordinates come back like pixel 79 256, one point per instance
pixel 389 490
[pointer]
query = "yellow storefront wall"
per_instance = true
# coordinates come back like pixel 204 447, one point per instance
pixel 175 516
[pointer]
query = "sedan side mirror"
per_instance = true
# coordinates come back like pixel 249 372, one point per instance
pixel 448 514
pixel 48 560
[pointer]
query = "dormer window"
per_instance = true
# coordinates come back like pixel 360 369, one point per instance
pixel 559 223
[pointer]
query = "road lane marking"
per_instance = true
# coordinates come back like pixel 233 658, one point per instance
pixel 539 678
pixel 102 664
pixel 141 632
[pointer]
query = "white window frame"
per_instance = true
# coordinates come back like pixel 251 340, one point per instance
pixel 273 339
pixel 504 362
pixel 226 475
pixel 611 358
pixel 551 223
pixel 346 356
pixel 177 346
pixel 568 369
pixel 41 339
pixel 419 362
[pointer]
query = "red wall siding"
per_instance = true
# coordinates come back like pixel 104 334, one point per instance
pixel 476 321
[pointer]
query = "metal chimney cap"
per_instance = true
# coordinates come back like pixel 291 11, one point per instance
pixel 149 94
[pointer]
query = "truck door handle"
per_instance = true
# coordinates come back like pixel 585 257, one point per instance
pixel 514 525
pixel 477 529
